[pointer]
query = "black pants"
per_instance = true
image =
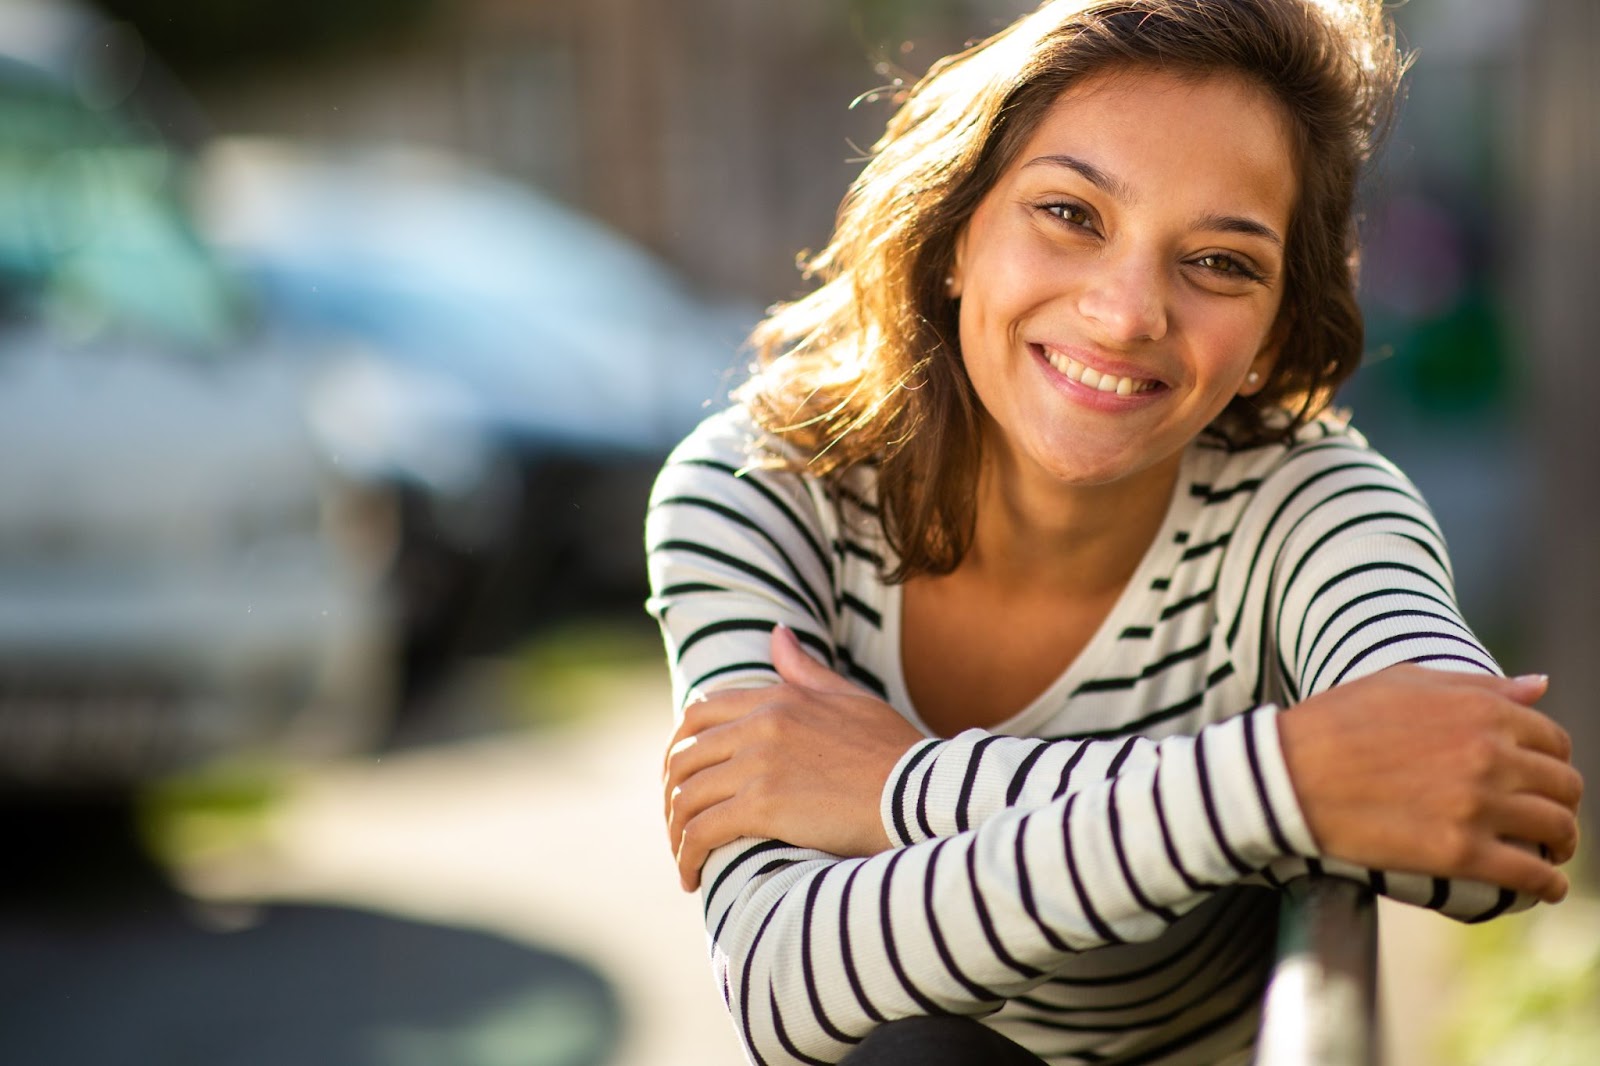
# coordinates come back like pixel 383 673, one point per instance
pixel 938 1042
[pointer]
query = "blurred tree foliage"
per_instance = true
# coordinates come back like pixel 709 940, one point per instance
pixel 206 37
pixel 1528 986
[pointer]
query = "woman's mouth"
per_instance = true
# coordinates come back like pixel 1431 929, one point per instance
pixel 1091 378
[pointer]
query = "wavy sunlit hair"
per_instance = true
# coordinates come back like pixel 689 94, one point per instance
pixel 867 365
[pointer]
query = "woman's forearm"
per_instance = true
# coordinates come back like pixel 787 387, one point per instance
pixel 815 950
pixel 1407 781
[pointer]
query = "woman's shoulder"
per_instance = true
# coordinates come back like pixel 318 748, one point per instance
pixel 731 441
pixel 731 463
pixel 1291 496
pixel 1319 451
pixel 731 436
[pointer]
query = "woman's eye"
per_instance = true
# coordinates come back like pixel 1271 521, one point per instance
pixel 1227 265
pixel 1072 214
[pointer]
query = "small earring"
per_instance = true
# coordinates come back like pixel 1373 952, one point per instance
pixel 949 281
pixel 1252 378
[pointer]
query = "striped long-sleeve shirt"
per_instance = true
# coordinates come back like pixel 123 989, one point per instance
pixel 1081 874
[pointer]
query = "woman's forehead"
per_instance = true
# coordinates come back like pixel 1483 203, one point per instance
pixel 1143 134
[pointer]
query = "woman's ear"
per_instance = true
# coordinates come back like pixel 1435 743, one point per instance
pixel 952 277
pixel 1266 360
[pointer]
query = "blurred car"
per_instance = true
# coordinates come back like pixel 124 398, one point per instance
pixel 183 574
pixel 523 370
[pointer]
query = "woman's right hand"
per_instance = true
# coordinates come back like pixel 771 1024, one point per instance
pixel 1443 774
pixel 804 761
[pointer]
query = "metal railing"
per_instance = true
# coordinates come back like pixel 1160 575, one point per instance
pixel 1321 1000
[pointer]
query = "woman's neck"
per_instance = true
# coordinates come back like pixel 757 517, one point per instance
pixel 1034 533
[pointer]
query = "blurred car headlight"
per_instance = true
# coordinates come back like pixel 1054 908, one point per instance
pixel 383 421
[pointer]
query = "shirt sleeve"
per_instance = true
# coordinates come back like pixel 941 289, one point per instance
pixel 734 548
pixel 813 951
pixel 1362 581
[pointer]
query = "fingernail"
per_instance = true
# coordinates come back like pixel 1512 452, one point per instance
pixel 783 631
pixel 1532 679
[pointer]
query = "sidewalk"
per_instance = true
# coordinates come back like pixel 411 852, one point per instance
pixel 552 838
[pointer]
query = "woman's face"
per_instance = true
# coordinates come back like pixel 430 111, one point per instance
pixel 1122 279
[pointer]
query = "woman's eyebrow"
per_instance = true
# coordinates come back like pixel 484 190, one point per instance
pixel 1235 224
pixel 1091 173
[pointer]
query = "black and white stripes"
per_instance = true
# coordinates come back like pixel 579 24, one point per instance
pixel 1081 874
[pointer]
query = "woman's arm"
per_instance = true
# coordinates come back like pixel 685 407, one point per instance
pixel 1418 772
pixel 813 951
pixel 1396 606
pixel 819 761
pixel 1361 585
pixel 1381 759
pixel 1415 779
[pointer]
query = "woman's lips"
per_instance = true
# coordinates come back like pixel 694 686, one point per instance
pixel 1102 381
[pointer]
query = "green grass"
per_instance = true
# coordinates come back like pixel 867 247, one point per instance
pixel 188 818
pixel 570 673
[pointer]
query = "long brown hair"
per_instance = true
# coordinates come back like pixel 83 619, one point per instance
pixel 867 365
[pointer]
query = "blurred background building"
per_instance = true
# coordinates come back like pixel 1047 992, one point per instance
pixel 338 344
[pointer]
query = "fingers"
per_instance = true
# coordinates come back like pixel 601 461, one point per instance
pixel 1547 776
pixel 796 667
pixel 1504 863
pixel 717 709
pixel 1530 728
pixel 690 755
pixel 693 798
pixel 696 755
pixel 707 831
pixel 1538 821
pixel 1540 733
pixel 1475 855
pixel 1525 688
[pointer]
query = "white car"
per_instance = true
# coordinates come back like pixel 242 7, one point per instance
pixel 519 371
pixel 184 573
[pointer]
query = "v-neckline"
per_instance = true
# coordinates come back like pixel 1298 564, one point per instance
pixel 1129 603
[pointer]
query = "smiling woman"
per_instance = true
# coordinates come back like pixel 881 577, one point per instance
pixel 1119 285
pixel 1121 630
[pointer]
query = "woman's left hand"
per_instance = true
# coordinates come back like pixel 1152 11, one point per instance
pixel 804 761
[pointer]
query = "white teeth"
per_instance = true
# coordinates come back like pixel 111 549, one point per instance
pixel 1076 371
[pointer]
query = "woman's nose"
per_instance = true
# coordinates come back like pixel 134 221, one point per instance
pixel 1125 298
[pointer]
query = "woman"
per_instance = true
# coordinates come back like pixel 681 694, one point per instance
pixel 987 604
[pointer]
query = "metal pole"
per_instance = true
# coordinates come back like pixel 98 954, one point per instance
pixel 1321 1001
